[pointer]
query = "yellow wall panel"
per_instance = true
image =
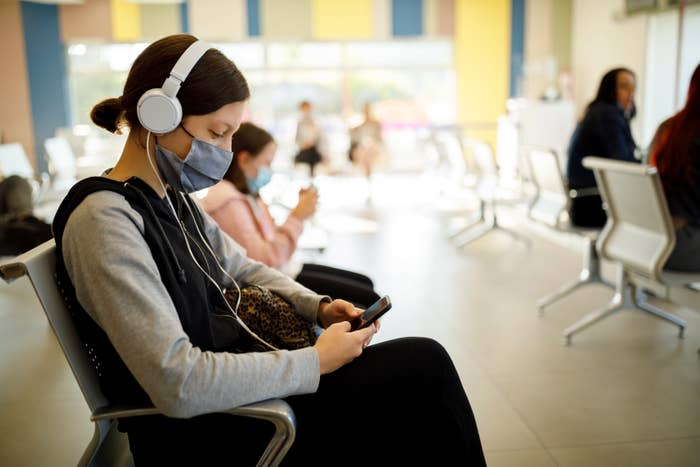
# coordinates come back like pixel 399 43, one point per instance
pixel 126 21
pixel 482 63
pixel 334 19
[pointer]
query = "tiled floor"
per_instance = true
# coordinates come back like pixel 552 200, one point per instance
pixel 626 393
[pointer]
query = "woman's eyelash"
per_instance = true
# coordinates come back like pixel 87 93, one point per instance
pixel 218 135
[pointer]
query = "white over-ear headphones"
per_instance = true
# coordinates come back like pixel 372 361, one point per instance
pixel 158 109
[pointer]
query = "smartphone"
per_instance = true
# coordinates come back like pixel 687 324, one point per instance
pixel 372 314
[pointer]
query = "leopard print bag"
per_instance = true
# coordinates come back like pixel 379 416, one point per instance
pixel 272 318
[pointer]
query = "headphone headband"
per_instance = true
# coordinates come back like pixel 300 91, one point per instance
pixel 183 67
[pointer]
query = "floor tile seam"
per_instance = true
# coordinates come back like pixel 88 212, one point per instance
pixel 515 409
pixel 634 441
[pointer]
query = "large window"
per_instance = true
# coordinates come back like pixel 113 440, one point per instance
pixel 411 83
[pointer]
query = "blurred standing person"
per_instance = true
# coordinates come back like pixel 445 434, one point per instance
pixel 366 144
pixel 604 131
pixel 308 138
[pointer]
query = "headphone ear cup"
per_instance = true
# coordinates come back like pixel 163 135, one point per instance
pixel 158 112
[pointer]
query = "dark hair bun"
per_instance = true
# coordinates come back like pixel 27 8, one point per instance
pixel 108 114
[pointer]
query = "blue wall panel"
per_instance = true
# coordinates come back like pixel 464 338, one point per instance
pixel 253 18
pixel 407 17
pixel 184 18
pixel 517 46
pixel 46 67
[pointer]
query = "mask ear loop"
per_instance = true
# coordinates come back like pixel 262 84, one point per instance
pixel 206 244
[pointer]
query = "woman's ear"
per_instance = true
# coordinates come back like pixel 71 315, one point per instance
pixel 243 158
pixel 245 162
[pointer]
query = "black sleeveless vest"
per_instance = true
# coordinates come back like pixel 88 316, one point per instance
pixel 196 299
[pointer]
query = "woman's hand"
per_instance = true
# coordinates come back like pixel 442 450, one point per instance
pixel 335 312
pixel 336 346
pixel 306 207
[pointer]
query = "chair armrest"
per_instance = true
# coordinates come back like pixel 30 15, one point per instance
pixel 276 411
pixel 583 192
pixel 11 271
pixel 112 412
pixel 272 409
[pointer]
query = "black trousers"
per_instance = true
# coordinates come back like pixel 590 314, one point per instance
pixel 400 403
pixel 587 211
pixel 309 156
pixel 338 283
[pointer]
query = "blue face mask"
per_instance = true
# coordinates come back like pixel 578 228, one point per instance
pixel 204 166
pixel 263 178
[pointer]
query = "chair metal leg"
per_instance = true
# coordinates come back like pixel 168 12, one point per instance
pixel 511 232
pixel 89 453
pixel 626 296
pixel 618 302
pixel 475 220
pixel 280 414
pixel 486 227
pixel 487 223
pixel 644 305
pixel 590 274
pixel 563 291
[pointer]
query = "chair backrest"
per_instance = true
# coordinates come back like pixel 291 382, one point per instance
pixel 482 155
pixel 449 145
pixel 61 158
pixel 552 198
pixel 639 233
pixel 13 161
pixel 39 264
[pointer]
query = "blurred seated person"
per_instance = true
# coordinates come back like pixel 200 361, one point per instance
pixel 366 145
pixel 604 131
pixel 308 138
pixel 20 230
pixel 675 151
pixel 235 204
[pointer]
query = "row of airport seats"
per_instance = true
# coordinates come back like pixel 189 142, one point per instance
pixel 638 237
pixel 61 167
pixel 473 168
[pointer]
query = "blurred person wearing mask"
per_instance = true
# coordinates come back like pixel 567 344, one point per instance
pixel 235 204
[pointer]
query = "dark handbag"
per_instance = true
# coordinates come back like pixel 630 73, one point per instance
pixel 272 318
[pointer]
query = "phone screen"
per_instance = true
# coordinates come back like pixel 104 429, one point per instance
pixel 373 313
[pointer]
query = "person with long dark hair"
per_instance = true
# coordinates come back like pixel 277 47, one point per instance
pixel 604 131
pixel 144 271
pixel 675 151
pixel 235 204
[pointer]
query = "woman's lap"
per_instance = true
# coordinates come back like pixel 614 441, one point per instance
pixel 400 401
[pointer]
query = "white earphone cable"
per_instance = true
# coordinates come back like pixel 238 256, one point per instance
pixel 233 311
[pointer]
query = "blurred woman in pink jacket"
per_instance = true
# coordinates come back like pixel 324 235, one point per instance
pixel 235 204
